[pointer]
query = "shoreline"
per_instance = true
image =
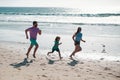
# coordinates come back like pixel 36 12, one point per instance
pixel 23 46
pixel 15 66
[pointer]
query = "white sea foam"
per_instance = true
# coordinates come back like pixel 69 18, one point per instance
pixel 62 19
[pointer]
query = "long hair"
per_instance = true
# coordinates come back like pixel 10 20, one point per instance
pixel 78 30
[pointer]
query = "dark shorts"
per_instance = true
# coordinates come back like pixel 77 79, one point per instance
pixel 57 49
pixel 77 42
pixel 33 42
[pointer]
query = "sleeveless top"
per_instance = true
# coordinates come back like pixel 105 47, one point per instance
pixel 78 37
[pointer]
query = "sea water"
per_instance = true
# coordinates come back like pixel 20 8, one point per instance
pixel 98 27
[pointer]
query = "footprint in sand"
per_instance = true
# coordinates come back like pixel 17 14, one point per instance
pixel 81 62
pixel 78 76
pixel 103 77
pixel 90 70
pixel 87 71
pixel 99 74
pixel 38 76
pixel 65 75
pixel 44 76
pixel 114 75
pixel 18 68
pixel 110 73
pixel 106 68
pixel 43 69
pixel 118 76
pixel 81 68
pixel 42 64
pixel 66 70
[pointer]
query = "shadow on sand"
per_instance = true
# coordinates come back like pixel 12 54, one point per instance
pixel 73 63
pixel 51 61
pixel 25 62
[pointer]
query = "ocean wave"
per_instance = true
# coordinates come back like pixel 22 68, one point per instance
pixel 62 14
pixel 98 24
pixel 74 23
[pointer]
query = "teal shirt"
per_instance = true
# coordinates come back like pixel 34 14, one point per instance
pixel 56 45
pixel 78 36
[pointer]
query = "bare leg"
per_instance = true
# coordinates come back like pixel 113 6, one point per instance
pixel 60 55
pixel 77 49
pixel 29 49
pixel 49 53
pixel 36 47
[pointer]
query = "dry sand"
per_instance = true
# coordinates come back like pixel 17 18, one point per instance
pixel 15 66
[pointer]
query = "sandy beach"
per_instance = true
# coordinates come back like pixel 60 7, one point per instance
pixel 15 66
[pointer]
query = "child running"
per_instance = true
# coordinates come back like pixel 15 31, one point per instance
pixel 56 47
pixel 33 37
pixel 77 37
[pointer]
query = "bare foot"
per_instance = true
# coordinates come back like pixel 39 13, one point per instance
pixel 71 58
pixel 34 56
pixel 48 54
pixel 27 55
pixel 61 58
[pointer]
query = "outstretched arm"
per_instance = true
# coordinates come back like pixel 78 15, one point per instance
pixel 83 40
pixel 26 33
pixel 60 43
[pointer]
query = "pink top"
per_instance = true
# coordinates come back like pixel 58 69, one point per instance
pixel 33 32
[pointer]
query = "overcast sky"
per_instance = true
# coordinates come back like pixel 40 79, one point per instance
pixel 62 3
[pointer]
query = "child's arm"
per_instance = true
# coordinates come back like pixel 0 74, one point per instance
pixel 60 43
pixel 83 40
pixel 26 33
